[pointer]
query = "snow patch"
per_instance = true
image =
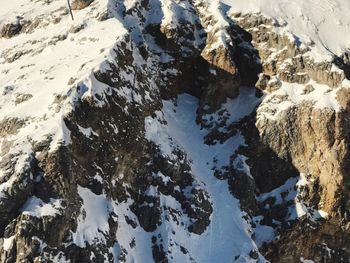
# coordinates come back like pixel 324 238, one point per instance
pixel 38 208
pixel 8 243
pixel 93 218
pixel 290 94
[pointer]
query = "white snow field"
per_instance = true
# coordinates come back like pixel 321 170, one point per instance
pixel 324 22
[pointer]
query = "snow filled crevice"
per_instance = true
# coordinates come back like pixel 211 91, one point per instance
pixel 46 71
pixel 290 197
pixel 228 236
pixel 93 227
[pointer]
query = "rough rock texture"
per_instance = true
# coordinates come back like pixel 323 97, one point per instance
pixel 113 181
pixel 301 138
pixel 10 30
pixel 108 155
pixel 80 4
pixel 312 139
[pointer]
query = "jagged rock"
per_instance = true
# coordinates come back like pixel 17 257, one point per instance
pixel 308 89
pixel 124 165
pixel 11 29
pixel 307 240
pixel 76 28
pixel 284 58
pixel 80 4
pixel 305 136
pixel 10 126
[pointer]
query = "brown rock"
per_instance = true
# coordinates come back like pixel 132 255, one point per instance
pixel 80 4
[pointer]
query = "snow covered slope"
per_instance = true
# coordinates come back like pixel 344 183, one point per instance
pixel 325 23
pixel 39 67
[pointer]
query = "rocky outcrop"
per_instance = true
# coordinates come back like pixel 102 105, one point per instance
pixel 313 139
pixel 80 4
pixel 284 57
pixel 114 180
pixel 310 241
pixel 316 142
pixel 109 159
pixel 10 30
pixel 295 133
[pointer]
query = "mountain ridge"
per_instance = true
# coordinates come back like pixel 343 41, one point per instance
pixel 170 131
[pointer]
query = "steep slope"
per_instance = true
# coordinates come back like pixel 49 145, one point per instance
pixel 324 26
pixel 173 131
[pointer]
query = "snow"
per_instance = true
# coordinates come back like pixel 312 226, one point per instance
pixel 263 233
pixel 288 186
pixel 324 22
pixel 6 185
pixel 322 214
pixel 142 252
pixel 292 190
pixel 116 251
pixel 93 218
pixel 76 55
pixel 290 94
pixel 93 227
pixel 218 23
pixel 37 208
pixel 8 243
pixel 155 132
pixel 88 132
pixel 237 108
pixel 227 225
pixel 60 258
pixel 52 57
pixel 53 61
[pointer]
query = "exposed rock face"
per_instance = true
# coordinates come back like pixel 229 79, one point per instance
pixel 313 146
pixel 10 30
pixel 125 166
pixel 80 4
pixel 285 59
pixel 110 159
pixel 301 136
pixel 312 139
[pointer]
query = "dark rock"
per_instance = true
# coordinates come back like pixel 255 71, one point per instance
pixel 11 29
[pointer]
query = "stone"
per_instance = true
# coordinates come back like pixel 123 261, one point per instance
pixel 11 30
pixel 80 4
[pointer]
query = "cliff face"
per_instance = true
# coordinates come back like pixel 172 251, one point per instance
pixel 303 123
pixel 168 131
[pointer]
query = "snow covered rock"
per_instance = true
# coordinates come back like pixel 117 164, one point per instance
pixel 171 131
